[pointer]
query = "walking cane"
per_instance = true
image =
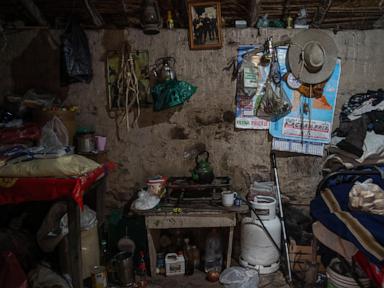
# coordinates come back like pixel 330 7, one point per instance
pixel 281 215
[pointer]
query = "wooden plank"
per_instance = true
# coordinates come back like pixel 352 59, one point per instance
pixel 167 222
pixel 74 243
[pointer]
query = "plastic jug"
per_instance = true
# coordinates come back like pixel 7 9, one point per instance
pixel 213 252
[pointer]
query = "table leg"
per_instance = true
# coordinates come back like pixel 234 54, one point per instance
pixel 100 192
pixel 74 243
pixel 229 251
pixel 152 253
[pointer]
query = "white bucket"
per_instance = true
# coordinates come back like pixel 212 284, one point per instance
pixel 336 279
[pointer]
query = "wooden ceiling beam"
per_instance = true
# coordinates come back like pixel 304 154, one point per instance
pixel 34 11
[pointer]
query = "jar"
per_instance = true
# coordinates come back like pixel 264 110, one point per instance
pixel 86 142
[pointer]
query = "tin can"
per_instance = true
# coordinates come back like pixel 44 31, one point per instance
pixel 237 202
pixel 99 277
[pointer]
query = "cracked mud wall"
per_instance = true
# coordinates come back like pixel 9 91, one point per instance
pixel 165 141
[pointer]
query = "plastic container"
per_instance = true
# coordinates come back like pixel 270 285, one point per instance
pixel 174 264
pixel 239 277
pixel 213 252
pixel 339 279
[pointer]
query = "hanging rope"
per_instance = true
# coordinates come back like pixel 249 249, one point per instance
pixel 128 92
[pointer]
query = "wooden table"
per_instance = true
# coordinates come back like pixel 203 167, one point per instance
pixel 165 218
pixel 72 190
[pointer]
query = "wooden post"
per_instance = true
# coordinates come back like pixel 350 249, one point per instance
pixel 152 253
pixel 74 243
pixel 229 250
pixel 254 12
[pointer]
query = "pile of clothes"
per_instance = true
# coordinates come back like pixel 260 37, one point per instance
pixel 360 135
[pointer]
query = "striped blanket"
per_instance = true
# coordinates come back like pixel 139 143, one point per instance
pixel 365 230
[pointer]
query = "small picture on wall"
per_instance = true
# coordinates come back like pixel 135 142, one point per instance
pixel 204 25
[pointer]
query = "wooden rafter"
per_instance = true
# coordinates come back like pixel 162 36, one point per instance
pixel 321 13
pixel 286 8
pixel 96 17
pixel 254 12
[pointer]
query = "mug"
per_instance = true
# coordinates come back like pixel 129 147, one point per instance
pixel 228 198
pixel 101 141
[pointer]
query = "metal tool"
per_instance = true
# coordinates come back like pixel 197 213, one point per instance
pixel 273 156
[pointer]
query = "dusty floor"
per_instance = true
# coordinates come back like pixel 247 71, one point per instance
pixel 197 280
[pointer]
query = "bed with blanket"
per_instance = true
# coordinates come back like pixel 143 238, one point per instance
pixel 332 208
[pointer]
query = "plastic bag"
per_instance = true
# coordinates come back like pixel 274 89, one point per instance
pixel 274 104
pixel 171 93
pixel 367 197
pixel 239 277
pixel 88 220
pixel 54 134
pixel 252 77
pixel 76 57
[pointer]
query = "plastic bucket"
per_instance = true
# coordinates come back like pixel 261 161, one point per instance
pixel 337 279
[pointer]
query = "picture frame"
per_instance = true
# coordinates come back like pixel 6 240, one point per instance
pixel 204 30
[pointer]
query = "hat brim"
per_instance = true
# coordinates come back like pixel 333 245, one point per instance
pixel 294 60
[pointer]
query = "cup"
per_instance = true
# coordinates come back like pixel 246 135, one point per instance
pixel 101 141
pixel 228 198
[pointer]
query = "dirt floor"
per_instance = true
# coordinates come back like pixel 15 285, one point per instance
pixel 197 280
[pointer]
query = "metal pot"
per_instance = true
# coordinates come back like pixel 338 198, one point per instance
pixel 164 69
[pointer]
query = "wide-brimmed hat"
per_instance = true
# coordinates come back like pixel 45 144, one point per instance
pixel 312 56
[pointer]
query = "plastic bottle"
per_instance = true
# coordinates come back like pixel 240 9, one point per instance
pixel 170 22
pixel 196 256
pixel 213 252
pixel 188 256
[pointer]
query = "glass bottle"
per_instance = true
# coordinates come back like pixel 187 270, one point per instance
pixel 188 256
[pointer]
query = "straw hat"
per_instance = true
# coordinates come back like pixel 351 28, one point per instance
pixel 312 56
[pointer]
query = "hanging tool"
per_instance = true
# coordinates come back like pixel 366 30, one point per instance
pixel 273 157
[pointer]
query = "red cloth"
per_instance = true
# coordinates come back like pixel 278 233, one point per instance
pixel 374 273
pixel 29 132
pixel 18 190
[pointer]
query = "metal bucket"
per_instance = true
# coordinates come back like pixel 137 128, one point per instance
pixel 122 264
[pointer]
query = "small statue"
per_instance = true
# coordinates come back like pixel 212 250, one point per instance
pixel 301 18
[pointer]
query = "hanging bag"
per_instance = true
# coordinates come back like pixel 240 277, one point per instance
pixel 275 102
pixel 76 63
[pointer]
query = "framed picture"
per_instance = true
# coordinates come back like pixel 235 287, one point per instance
pixel 204 19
